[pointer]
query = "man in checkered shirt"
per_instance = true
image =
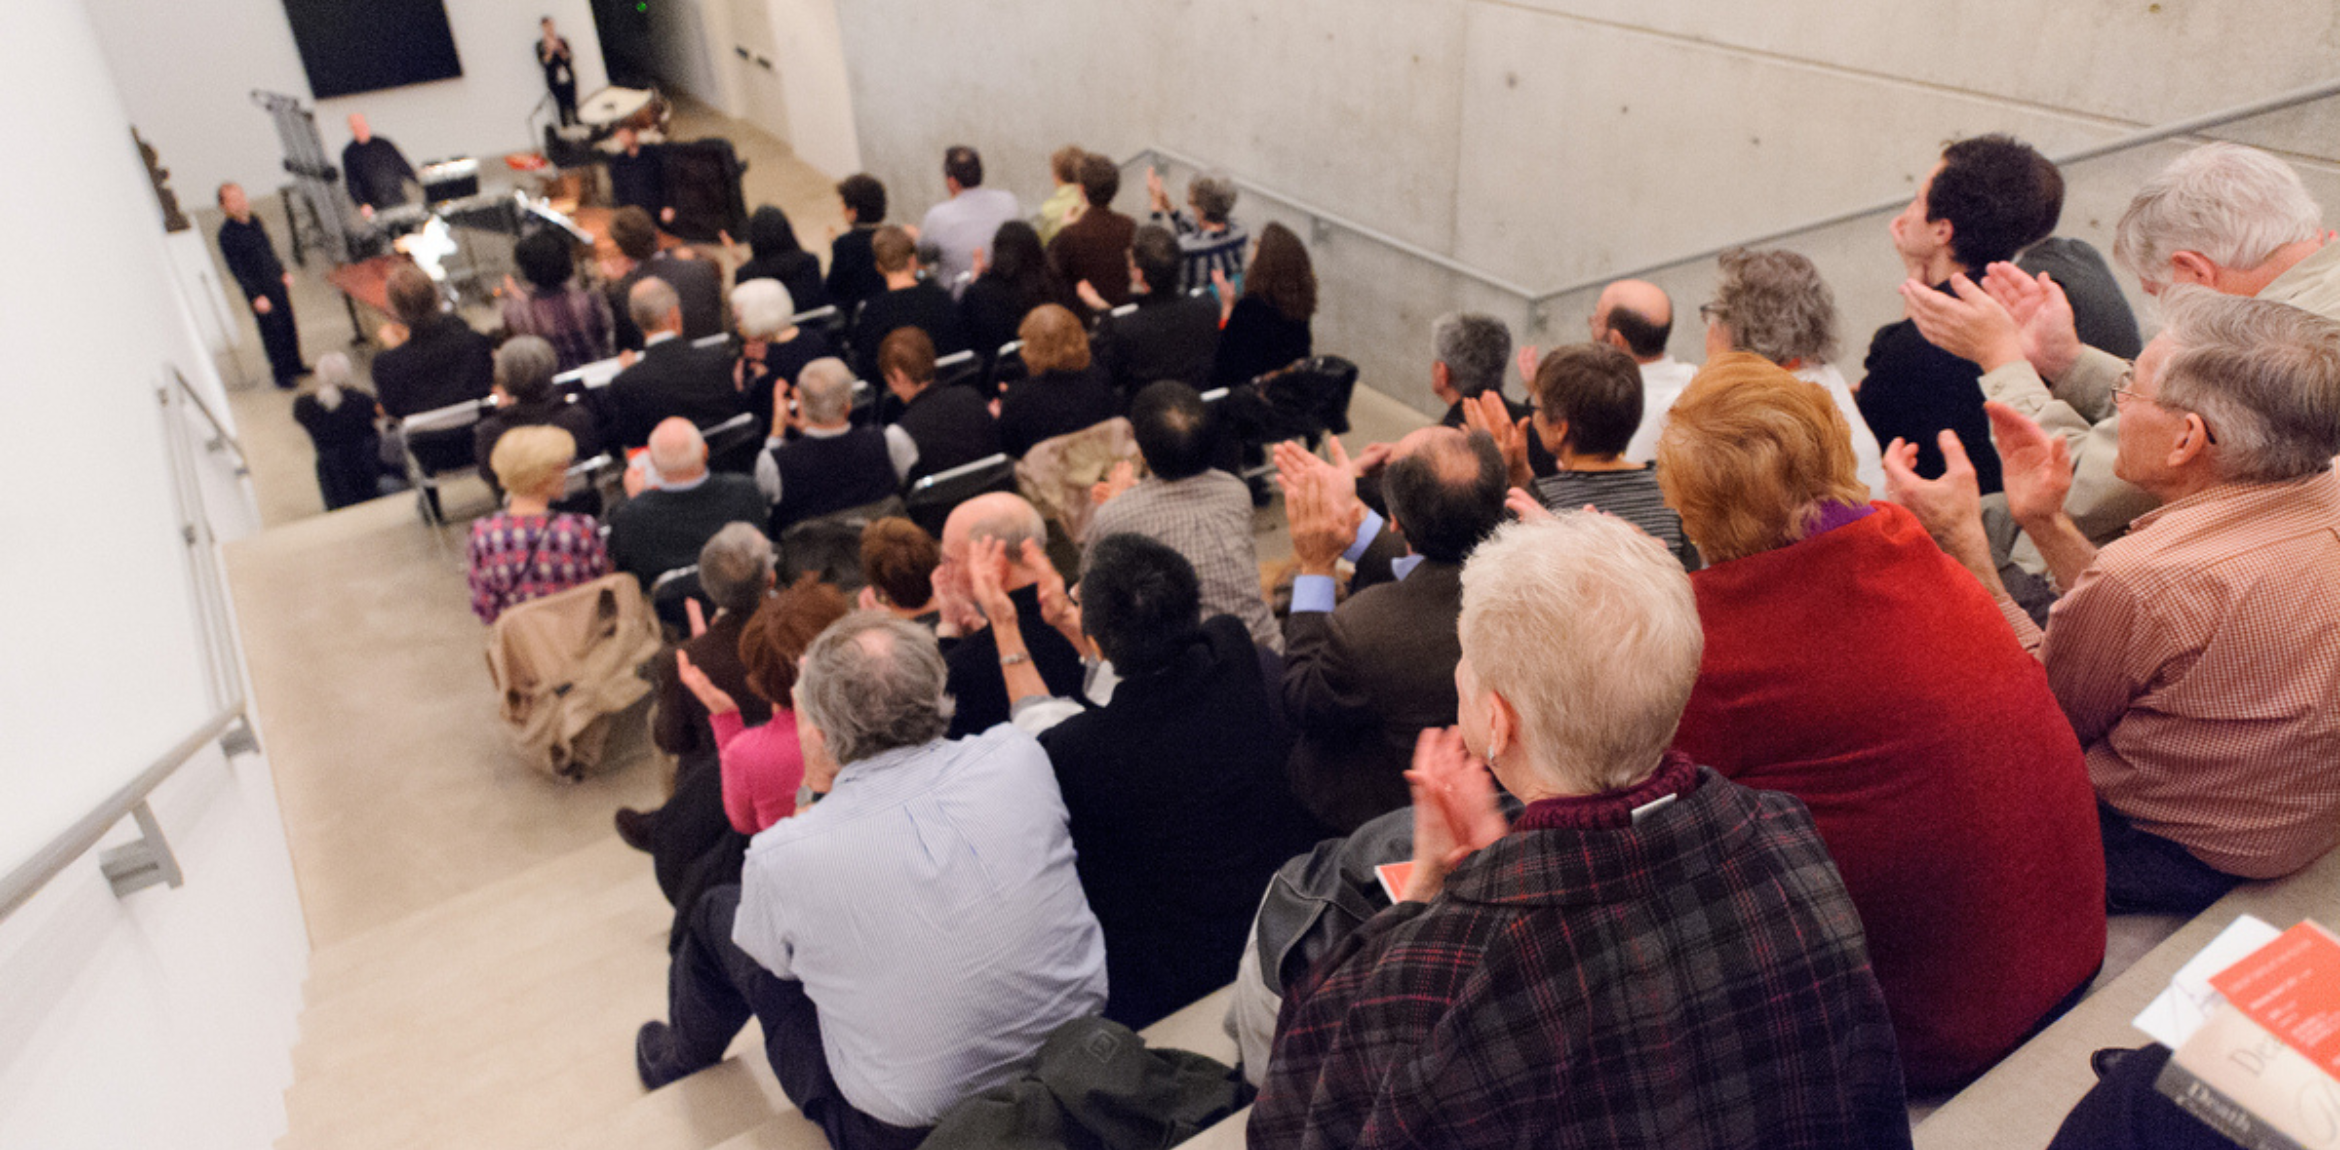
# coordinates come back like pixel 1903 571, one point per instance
pixel 1652 955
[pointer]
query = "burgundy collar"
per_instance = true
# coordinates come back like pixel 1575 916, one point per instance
pixel 1676 775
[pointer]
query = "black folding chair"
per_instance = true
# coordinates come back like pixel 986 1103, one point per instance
pixel 932 499
pixel 732 445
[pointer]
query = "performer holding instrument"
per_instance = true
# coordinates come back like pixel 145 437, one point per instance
pixel 560 74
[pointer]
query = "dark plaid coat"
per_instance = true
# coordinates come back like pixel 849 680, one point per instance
pixel 1696 981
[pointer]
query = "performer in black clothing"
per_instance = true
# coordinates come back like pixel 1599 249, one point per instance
pixel 560 73
pixel 637 177
pixel 377 172
pixel 251 259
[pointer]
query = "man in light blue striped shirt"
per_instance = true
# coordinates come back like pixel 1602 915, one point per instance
pixel 913 938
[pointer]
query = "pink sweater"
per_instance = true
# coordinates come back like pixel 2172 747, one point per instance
pixel 762 769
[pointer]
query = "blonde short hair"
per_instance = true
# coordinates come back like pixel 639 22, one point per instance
pixel 1053 340
pixel 1587 627
pixel 533 460
pixel 1750 454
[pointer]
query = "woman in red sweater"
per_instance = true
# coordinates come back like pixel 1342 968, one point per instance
pixel 1849 664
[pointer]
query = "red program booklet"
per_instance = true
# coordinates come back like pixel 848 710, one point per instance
pixel 2291 986
pixel 1393 878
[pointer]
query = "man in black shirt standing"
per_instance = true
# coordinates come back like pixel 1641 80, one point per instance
pixel 251 259
pixel 377 172
pixel 560 71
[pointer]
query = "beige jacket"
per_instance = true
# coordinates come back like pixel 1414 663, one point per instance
pixel 1056 474
pixel 564 662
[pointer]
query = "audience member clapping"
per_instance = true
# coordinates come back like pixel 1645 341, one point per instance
pixel 1588 402
pixel 975 660
pixel 525 551
pixel 1175 785
pixel 1267 328
pixel 874 1020
pixel 899 559
pixel 772 348
pixel 830 465
pixel 1650 948
pixel 1362 681
pixel 1774 304
pixel 1210 242
pixel 1064 392
pixel 764 765
pixel 1850 664
pixel 2198 656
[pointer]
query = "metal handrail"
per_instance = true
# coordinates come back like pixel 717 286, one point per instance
pixel 60 852
pixel 220 435
pixel 1536 299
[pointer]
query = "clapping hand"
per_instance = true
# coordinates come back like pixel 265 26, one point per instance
pixel 1526 507
pixel 714 698
pixel 1970 325
pixel 1156 196
pixel 1089 297
pixel 1123 478
pixel 696 614
pixel 1487 412
pixel 1323 523
pixel 1528 358
pixel 2034 466
pixel 1454 809
pixel 987 567
pixel 960 616
pixel 1057 607
pixel 2042 313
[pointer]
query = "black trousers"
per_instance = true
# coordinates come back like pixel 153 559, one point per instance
pixel 2147 874
pixel 280 336
pixel 565 98
pixel 713 987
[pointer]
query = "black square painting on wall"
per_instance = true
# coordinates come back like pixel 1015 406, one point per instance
pixel 352 46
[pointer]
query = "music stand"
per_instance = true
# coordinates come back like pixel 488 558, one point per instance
pixel 316 182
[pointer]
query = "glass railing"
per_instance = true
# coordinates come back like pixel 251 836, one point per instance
pixel 1379 293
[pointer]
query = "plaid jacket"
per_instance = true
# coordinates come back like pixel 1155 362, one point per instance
pixel 1696 981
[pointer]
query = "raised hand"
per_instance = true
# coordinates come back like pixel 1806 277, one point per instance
pixel 2035 466
pixel 960 616
pixel 1971 325
pixel 987 565
pixel 697 616
pixel 1528 358
pixel 1527 507
pixel 1323 525
pixel 714 698
pixel 1156 196
pixel 1486 412
pixel 2043 316
pixel 1123 478
pixel 1454 809
pixel 1057 608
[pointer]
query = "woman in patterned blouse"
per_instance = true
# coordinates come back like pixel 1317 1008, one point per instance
pixel 524 551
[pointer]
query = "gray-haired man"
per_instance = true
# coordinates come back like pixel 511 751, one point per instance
pixel 914 937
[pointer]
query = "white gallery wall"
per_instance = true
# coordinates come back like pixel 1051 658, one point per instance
pixel 1549 141
pixel 188 70
pixel 166 1018
pixel 697 45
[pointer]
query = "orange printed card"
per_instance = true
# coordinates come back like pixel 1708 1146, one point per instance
pixel 2291 986
pixel 1393 878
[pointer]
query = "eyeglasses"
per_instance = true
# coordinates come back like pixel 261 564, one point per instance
pixel 1710 312
pixel 2127 392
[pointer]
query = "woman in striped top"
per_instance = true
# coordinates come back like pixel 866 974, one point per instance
pixel 1587 401
pixel 524 551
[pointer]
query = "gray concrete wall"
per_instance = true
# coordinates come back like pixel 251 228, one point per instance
pixel 1550 141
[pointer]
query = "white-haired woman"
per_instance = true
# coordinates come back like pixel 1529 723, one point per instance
pixel 339 417
pixel 773 350
pixel 1774 304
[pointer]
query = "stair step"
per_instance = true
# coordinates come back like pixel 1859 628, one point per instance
pixel 1200 1026
pixel 735 1099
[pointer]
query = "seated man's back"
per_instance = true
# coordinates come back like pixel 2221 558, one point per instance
pixel 660 530
pixel 930 907
pixel 672 379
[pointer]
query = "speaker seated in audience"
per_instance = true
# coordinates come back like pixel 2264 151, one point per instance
pixel 874 1021
pixel 1202 513
pixel 551 305
pixel 1775 305
pixel 674 378
pixel 853 274
pixel 899 558
pixel 339 417
pixel 1064 169
pixel 1650 954
pixel 908 301
pixel 526 397
pixel 829 464
pixel 1012 279
pixel 772 348
pixel 1210 243
pixel 1174 783
pixel 1170 336
pixel 974 660
pixel 697 283
pixel 763 766
pixel 1065 391
pixel 949 426
pixel 1362 681
pixel 433 360
pixel 1092 246
pixel 1849 663
pixel 2197 657
pixel 774 254
pixel 525 551
pixel 1588 401
pixel 1267 328
pixel 677 505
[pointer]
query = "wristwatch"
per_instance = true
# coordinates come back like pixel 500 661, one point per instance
pixel 1012 660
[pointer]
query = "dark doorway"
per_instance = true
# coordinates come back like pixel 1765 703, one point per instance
pixel 624 26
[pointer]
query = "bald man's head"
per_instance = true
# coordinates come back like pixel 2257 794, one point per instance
pixel 1635 315
pixel 1445 491
pixel 677 450
pixel 1000 515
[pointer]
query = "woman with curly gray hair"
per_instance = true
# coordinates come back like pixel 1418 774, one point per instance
pixel 1774 304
